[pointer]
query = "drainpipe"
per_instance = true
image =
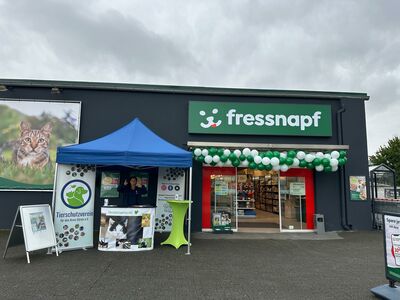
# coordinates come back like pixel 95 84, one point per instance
pixel 343 204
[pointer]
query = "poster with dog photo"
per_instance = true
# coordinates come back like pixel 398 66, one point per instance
pixel 30 132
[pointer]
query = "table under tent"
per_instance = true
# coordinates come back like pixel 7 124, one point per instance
pixel 133 145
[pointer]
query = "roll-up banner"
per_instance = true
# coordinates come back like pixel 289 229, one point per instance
pixel 74 206
pixel 170 186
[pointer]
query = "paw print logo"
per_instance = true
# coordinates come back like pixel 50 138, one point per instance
pixel 210 119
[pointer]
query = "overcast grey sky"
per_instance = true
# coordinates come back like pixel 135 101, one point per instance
pixel 306 45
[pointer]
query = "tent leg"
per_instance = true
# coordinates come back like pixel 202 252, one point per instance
pixel 190 210
pixel 53 203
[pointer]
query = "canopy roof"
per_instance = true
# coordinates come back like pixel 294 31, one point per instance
pixel 132 145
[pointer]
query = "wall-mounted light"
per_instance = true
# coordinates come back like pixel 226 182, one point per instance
pixel 3 88
pixel 55 90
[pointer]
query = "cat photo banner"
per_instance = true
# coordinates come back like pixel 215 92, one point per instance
pixel 30 132
pixel 74 206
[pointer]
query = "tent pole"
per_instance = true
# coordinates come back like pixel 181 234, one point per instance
pixel 53 201
pixel 190 210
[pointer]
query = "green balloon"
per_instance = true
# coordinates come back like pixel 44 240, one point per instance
pixel 328 169
pixel 242 157
pixel 260 167
pixel 269 154
pixel 310 166
pixel 303 163
pixel 326 162
pixel 200 158
pixel 262 154
pixel 236 163
pixel 232 156
pixel 316 162
pixel 252 165
pixel 342 153
pixel 289 161
pixel 341 161
pixel 250 158
pixel 223 158
pixel 268 167
pixel 212 151
pixel 277 154
pixel 213 163
pixel 282 160
pixel 291 154
pixel 345 159
pixel 220 151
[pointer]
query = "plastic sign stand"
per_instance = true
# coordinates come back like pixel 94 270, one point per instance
pixel 37 227
pixel 386 292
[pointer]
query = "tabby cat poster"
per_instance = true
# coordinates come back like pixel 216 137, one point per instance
pixel 30 132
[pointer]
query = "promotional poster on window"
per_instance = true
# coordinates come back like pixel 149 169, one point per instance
pixel 170 186
pixel 30 132
pixel 74 206
pixel 392 246
pixel 126 229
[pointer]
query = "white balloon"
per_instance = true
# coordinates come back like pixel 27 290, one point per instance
pixel 257 159
pixel 237 152
pixel 283 155
pixel 204 152
pixel 335 168
pixel 296 162
pixel 197 152
pixel 208 159
pixel 244 163
pixel 220 164
pixel 227 152
pixel 309 158
pixel 319 155
pixel 228 163
pixel 266 161
pixel 335 154
pixel 216 158
pixel 284 168
pixel 327 155
pixel 319 168
pixel 275 161
pixel 276 168
pixel 254 153
pixel 246 151
pixel 300 155
pixel 334 162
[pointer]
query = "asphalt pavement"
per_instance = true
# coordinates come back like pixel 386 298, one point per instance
pixel 342 266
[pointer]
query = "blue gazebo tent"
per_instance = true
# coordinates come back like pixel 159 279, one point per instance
pixel 132 145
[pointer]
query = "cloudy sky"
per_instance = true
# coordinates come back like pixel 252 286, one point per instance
pixel 298 45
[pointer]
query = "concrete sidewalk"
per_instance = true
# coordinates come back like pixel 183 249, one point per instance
pixel 344 267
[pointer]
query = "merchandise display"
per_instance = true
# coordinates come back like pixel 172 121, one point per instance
pixel 267 192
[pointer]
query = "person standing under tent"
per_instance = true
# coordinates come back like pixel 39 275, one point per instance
pixel 131 192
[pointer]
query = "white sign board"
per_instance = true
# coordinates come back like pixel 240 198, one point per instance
pixel 74 206
pixel 170 186
pixel 297 189
pixel 38 227
pixel 392 246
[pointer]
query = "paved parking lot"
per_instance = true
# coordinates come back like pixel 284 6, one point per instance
pixel 341 267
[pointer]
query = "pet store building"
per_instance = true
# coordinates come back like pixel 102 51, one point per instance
pixel 263 160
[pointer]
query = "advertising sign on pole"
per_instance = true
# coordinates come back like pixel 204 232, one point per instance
pixel 170 186
pixel 74 206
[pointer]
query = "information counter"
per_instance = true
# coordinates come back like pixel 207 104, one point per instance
pixel 127 228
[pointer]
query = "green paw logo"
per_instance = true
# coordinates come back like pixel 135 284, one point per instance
pixel 76 194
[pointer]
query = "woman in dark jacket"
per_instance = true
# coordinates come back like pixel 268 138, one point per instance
pixel 131 192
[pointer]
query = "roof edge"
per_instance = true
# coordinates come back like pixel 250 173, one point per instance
pixel 183 89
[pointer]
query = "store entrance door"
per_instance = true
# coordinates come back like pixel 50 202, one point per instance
pixel 219 197
pixel 296 200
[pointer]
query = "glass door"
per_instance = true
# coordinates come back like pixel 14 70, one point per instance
pixel 296 200
pixel 219 197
